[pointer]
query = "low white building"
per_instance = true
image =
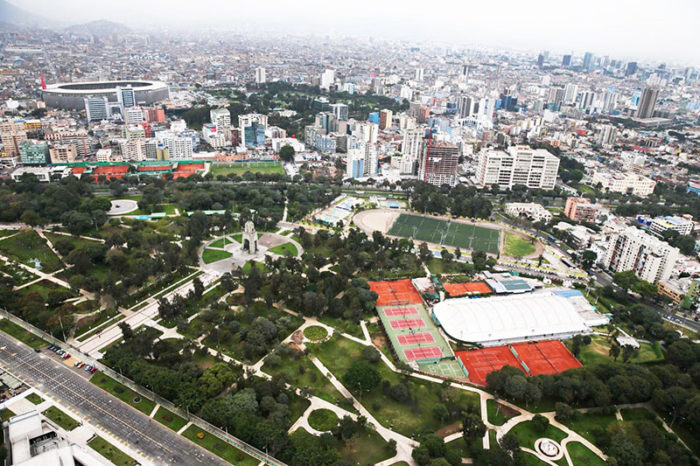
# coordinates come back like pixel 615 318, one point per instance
pixel 628 183
pixel 682 225
pixel 43 174
pixel 530 209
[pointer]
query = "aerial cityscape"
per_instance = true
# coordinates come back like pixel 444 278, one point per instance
pixel 311 234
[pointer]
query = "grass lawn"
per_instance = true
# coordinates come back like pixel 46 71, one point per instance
pixel 465 451
pixel 302 373
pixel 220 243
pixel 77 241
pixel 220 448
pixel 109 451
pixel 261 267
pixel 4 233
pixel 637 414
pixel 105 319
pixel 44 287
pixel 517 246
pixel 412 417
pixel 214 255
pixel 342 325
pixel 323 419
pixel 365 447
pixel 6 414
pixel 34 398
pixel 580 455
pixel 239 168
pixel 284 249
pixel 315 333
pixel 527 434
pixel 61 418
pixel 586 423
pixel 598 352
pixel 169 419
pixel 125 394
pixel 21 334
pixel 497 414
pixel 28 247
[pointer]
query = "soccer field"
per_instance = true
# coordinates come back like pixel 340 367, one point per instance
pixel 239 168
pixel 449 233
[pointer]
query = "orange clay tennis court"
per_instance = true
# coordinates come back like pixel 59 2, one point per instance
pixel 415 338
pixel 400 311
pixel 546 357
pixel 480 362
pixel 395 292
pixel 422 353
pixel 541 357
pixel 407 323
pixel 469 288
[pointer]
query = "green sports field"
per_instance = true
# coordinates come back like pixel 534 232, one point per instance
pixel 448 233
pixel 239 168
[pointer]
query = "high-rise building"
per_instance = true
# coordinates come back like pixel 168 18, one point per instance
pixel 34 152
pixel 126 96
pixel 134 115
pixel 418 75
pixel 12 133
pixel 260 77
pixel 96 108
pixel 566 60
pixel 439 163
pixel 340 111
pixel 465 105
pixel 327 79
pixel 647 256
pixel 220 117
pixel 63 153
pixel 252 127
pixel 540 60
pixel 588 61
pixel 534 168
pixel 385 119
pixel 647 103
pixel 631 68
pixel 607 136
pixel 570 93
pixel 412 148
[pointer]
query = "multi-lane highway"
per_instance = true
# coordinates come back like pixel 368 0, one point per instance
pixel 158 444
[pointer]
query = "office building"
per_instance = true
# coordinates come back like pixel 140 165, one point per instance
pixel 570 93
pixel 580 209
pixel 418 75
pixel 439 163
pixel 540 60
pixel 628 183
pixel 362 161
pixel 631 68
pixel 340 111
pixel 588 61
pixel 260 75
pixel 63 153
pixel 252 127
pixel 12 133
pixel 385 119
pixel 566 60
pixel 647 256
pixel 607 135
pixel 126 96
pixel 683 225
pixel 464 105
pixel 220 117
pixel 647 103
pixel 97 108
pixel 34 152
pixel 534 168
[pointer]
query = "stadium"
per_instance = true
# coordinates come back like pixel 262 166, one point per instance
pixel 70 96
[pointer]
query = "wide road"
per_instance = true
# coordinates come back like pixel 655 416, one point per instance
pixel 159 444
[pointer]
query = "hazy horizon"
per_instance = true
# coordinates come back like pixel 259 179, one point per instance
pixel 622 29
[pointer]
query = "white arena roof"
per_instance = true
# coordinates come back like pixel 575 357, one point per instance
pixel 506 319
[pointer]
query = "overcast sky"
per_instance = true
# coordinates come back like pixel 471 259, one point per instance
pixel 664 30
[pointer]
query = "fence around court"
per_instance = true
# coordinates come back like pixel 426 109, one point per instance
pixel 196 421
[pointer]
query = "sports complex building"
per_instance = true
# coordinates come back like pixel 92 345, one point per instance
pixel 515 327
pixel 71 96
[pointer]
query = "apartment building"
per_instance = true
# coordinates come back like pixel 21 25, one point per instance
pixel 534 168
pixel 682 225
pixel 628 183
pixel 63 153
pixel 650 258
pixel 580 209
pixel 439 163
pixel 12 133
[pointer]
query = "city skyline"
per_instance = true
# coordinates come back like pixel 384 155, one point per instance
pixel 612 29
